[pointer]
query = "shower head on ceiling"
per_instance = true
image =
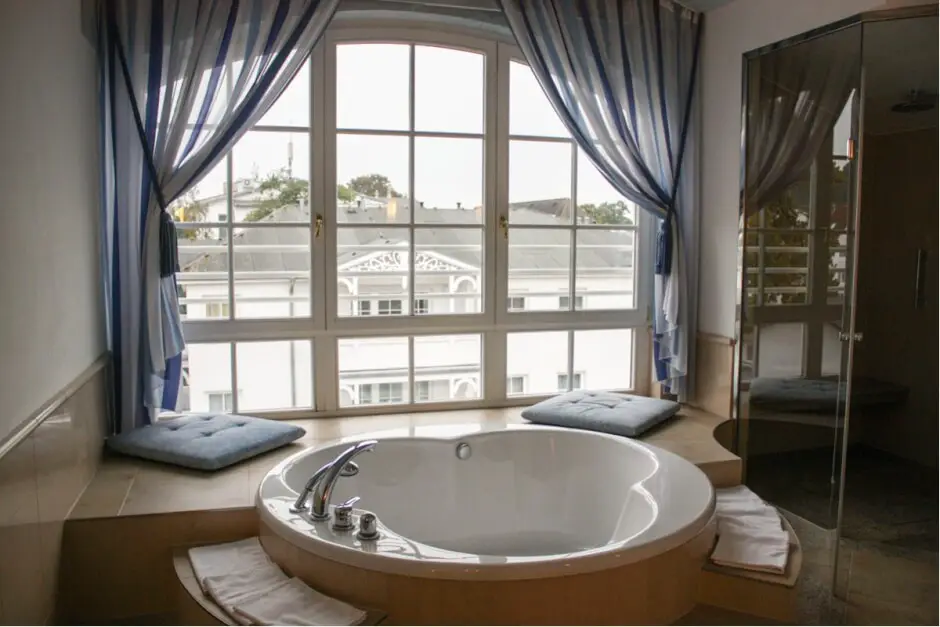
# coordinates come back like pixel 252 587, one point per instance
pixel 917 101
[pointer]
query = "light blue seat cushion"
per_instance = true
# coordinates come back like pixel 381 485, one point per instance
pixel 609 412
pixel 822 395
pixel 205 441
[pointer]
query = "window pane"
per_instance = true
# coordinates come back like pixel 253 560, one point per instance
pixel 447 269
pixel 449 180
pixel 372 84
pixel 603 360
pixel 538 357
pixel 293 106
pixel 270 171
pixel 448 90
pixel 539 183
pixel 604 277
pixel 539 267
pixel 372 264
pixel 780 349
pixel 530 112
pixel 272 272
pixel 785 271
pixel 368 364
pixel 203 275
pixel 371 178
pixel 598 201
pixel 447 367
pixel 207 376
pixel 206 201
pixel 274 375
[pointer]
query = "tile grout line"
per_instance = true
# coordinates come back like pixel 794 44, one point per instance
pixel 130 486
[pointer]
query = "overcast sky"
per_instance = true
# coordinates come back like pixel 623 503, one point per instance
pixel 372 93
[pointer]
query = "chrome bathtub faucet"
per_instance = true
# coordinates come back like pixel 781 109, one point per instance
pixel 323 480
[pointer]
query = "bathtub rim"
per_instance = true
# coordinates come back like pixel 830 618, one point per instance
pixel 317 538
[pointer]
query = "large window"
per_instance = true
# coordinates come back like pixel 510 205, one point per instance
pixel 410 223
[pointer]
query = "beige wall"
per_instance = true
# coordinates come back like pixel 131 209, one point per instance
pixel 51 318
pixel 899 207
pixel 730 31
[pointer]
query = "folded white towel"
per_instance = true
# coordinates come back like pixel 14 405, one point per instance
pixel 231 588
pixel 220 559
pixel 750 533
pixel 297 604
pixel 752 551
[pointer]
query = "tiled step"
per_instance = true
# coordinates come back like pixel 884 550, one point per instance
pixel 765 595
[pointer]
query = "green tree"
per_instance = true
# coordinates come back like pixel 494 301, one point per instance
pixel 377 185
pixel 278 189
pixel 607 212
pixel 344 193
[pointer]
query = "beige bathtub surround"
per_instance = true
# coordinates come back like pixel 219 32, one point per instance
pixel 42 475
pixel 657 591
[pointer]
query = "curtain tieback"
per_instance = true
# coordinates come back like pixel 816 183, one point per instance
pixel 664 244
pixel 169 252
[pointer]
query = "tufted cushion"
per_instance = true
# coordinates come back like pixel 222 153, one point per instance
pixel 822 395
pixel 205 441
pixel 619 414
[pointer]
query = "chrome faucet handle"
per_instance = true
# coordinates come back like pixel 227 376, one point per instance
pixel 342 515
pixel 368 527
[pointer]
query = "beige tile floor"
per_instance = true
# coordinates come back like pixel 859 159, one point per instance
pixel 126 486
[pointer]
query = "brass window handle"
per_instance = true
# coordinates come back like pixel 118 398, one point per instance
pixel 504 225
pixel 319 225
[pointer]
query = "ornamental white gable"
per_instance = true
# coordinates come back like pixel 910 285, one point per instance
pixel 397 261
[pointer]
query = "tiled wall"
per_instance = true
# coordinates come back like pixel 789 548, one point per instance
pixel 40 480
pixel 714 363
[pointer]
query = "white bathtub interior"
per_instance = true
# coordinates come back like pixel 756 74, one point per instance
pixel 516 495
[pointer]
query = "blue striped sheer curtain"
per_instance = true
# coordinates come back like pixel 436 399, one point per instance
pixel 181 81
pixel 621 75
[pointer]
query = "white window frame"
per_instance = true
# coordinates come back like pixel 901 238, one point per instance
pixel 325 327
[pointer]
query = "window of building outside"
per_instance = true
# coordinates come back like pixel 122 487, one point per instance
pixel 563 382
pixel 220 402
pixel 515 386
pixel 389 307
pixel 432 245
pixel 564 302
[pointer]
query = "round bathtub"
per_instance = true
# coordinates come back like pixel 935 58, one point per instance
pixel 540 523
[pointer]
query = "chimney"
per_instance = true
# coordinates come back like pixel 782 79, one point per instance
pixel 458 204
pixel 478 210
pixel 391 209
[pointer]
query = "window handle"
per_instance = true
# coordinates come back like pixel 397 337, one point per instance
pixel 504 225
pixel 319 225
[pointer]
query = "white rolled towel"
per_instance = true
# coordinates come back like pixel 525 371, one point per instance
pixel 221 559
pixel 231 588
pixel 297 604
